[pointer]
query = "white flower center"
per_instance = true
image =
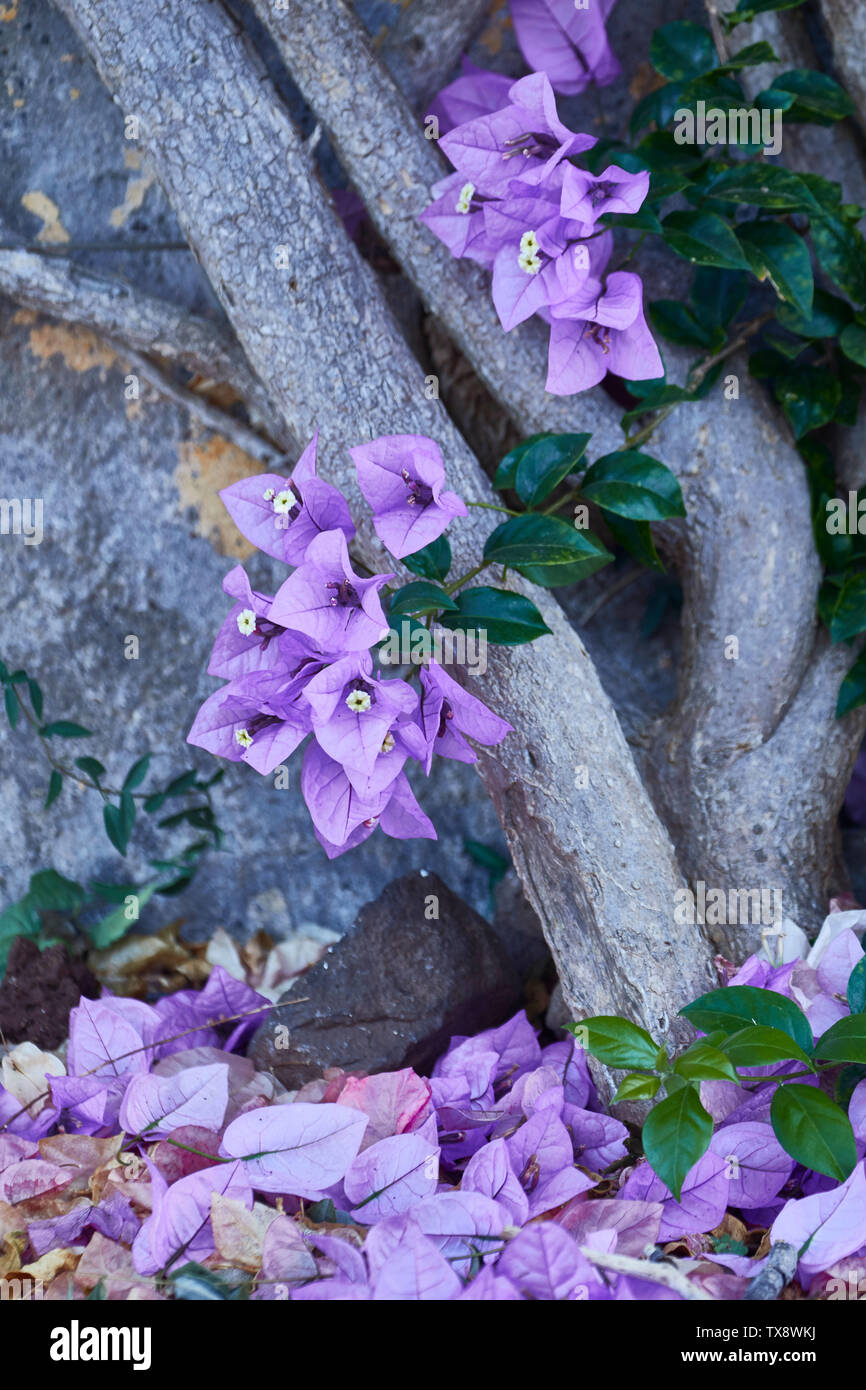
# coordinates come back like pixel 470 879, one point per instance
pixel 285 500
pixel 268 494
pixel 530 262
pixel 358 701
pixel 247 622
pixel 388 744
pixel 244 738
pixel 465 199
pixel 529 243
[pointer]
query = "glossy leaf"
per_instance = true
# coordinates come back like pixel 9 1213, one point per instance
pixel 676 1133
pixel 616 1041
pixel 813 1130
pixel 742 1006
pixel 507 619
pixel 634 485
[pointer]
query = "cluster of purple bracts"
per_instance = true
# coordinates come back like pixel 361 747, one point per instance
pixel 299 663
pixel 522 207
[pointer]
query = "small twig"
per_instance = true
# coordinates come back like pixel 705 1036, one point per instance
pixel 779 1270
pixel 668 1275
pixel 716 31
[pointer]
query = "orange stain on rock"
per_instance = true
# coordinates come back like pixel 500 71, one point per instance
pixel 205 468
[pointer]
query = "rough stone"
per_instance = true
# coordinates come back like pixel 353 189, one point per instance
pixel 395 990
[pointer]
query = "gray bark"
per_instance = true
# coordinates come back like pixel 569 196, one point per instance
pixel 844 24
pixel 596 863
pixel 424 46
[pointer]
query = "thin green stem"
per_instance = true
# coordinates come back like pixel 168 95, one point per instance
pixel 494 507
pixel 463 578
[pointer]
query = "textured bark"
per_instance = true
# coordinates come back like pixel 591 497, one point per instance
pixel 423 48
pixel 845 24
pixel 383 148
pixel 597 864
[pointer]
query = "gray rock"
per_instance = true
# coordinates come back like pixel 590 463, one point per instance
pixel 395 990
pixel 518 929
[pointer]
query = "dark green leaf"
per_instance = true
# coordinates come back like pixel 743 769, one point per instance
pixel 487 856
pixel 35 697
pixel 421 596
pixel 55 786
pixel 817 98
pixel 853 343
pixel 762 1047
pixel 109 929
pixel 542 466
pixel 114 827
pixel 49 891
pixel 703 1062
pixel 507 619
pixel 842 252
pixel 777 253
pixel 546 550
pixel 64 728
pixel 676 1133
pixel 740 1006
pixel 676 322
pixel 857 988
pixel 92 766
pixel 12 707
pixel 615 1041
pixel 719 295
pixel 506 473
pixel 433 561
pixel 704 239
pixel 813 1130
pixel 637 1087
pixel 635 537
pixel 136 774
pixel 809 397
pixel 154 803
pixel 762 185
pixel 634 485
pixel 681 50
pixel 845 1041
pixel 753 55
pixel 852 691
pixel 828 317
pixel 182 784
pixel 747 9
pixel 849 616
pixel 644 220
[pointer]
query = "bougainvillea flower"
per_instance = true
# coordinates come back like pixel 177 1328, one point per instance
pixel 476 92
pixel 402 477
pixel 456 217
pixel 525 138
pixel 353 715
pixel 586 197
pixel 343 818
pixel 282 515
pixel 826 1226
pixel 255 719
pixel 179 1230
pixel 583 350
pixel 703 1198
pixel 569 44
pixel 448 712
pixel 328 601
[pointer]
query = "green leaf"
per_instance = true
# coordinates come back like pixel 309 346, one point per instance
pixel 809 397
pixel 703 1062
pixel 488 857
pixel 841 251
pixel 546 549
pixel 49 891
pixel 10 699
pixel 55 786
pixel 676 1133
pixel 813 1130
pixel 637 1087
pixel 676 322
pixel 115 827
pixel 36 699
pixel 845 1041
pixel 644 220
pixel 747 9
pixel 704 239
pixel 136 774
pixel 753 55
pixel 421 596
pixel 634 485
pixel 849 615
pixel 433 561
pixel 109 929
pixel 681 50
pixel 853 343
pixel 506 474
pixel 740 1006
pixel 656 400
pixel 181 784
pixel 762 1047
pixel 635 537
pixel 507 619
pixel 857 988
pixel 852 691
pixel 828 317
pixel 762 185
pixel 817 98
pixel 718 295
pixel 65 728
pixel 92 766
pixel 542 466
pixel 777 253
pixel 616 1041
